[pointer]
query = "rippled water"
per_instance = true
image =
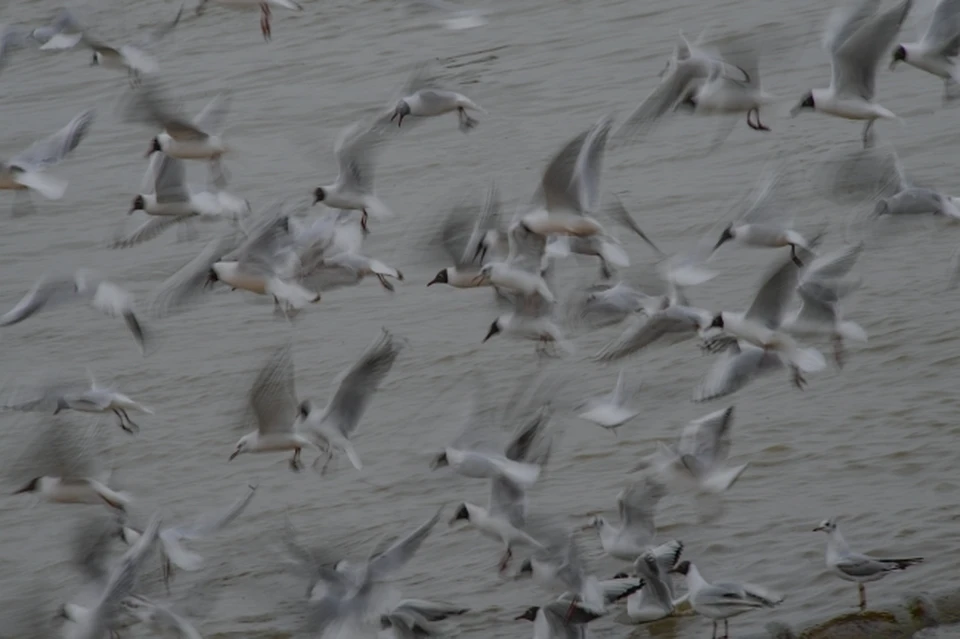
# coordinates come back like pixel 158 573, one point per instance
pixel 873 445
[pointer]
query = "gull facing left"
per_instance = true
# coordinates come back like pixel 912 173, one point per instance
pixel 856 37
pixel 937 51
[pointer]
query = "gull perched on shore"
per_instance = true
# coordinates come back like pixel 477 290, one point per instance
pixel 938 48
pixel 856 37
pixel 65 457
pixel 332 426
pixel 90 397
pixel 168 202
pixel 722 600
pixel 27 169
pixel 353 189
pixel 248 5
pixel 853 566
pixel 83 285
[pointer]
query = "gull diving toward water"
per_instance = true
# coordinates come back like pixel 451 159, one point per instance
pixel 196 139
pixel 86 398
pixel 700 456
pixel 856 37
pixel 611 411
pixel 722 600
pixel 247 5
pixel 83 285
pixel 27 169
pixel 938 48
pixel 168 202
pixel 353 189
pixel 332 426
pixel 853 566
pixel 505 515
pixel 637 504
pixel 132 59
pixel 66 458
pixel 173 551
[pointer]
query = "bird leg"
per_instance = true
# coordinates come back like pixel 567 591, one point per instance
pixel 838 351
pixel 167 571
pixel 797 377
pixel 759 126
pixel 505 559
pixel 466 122
pixel 572 608
pixel 363 223
pixel 868 135
pixel 127 424
pixel 726 629
pixel 295 464
pixel 714 636
pixel 863 596
pixel 327 456
pixel 265 20
pixel 383 282
pixel 793 255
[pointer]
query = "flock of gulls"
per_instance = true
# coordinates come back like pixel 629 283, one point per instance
pixel 292 259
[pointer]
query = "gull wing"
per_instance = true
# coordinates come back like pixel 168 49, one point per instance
pixel 53 149
pixel 403 550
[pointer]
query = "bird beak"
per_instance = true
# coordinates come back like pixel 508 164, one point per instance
pixel 233 455
pixel 818 529
pixel 25 489
pixel 435 280
pixel 586 527
pixel 490 334
pixel 521 617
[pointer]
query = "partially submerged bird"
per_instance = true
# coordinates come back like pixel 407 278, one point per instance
pixel 857 567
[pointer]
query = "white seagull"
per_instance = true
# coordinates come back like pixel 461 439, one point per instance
pixel 332 426
pixel 853 566
pixel 468 238
pixel 26 170
pixel 723 600
pixel 937 51
pixel 168 202
pixel 84 285
pixel 353 188
pixel 610 411
pixel 856 37
pixel 637 504
pixel 132 59
pixel 701 454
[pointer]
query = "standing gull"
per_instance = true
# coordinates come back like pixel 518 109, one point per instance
pixel 856 37
pixel 332 426
pixel 83 285
pixel 722 600
pixel 937 51
pixel 853 566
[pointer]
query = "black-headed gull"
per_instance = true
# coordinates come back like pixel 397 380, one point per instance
pixel 856 37
pixel 854 566
pixel 132 59
pixel 937 50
